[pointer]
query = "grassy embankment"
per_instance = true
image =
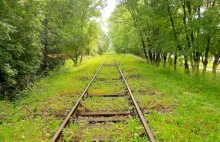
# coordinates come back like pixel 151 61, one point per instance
pixel 178 107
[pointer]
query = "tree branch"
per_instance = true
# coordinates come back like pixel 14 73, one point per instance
pixel 24 107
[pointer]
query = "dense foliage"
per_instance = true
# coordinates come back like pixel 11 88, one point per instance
pixel 160 30
pixel 36 36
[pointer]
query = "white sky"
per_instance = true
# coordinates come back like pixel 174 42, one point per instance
pixel 107 12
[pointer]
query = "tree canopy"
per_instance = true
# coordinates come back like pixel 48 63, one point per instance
pixel 162 29
pixel 37 35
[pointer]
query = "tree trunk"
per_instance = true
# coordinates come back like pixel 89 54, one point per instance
pixel 187 39
pixel 175 62
pixel 76 58
pixel 81 58
pixel 164 59
pixel 45 45
pixel 192 63
pixel 170 60
pixel 150 56
pixel 205 61
pixel 214 68
pixel 197 54
pixel 144 49
pixel 215 64
pixel 154 57
pixel 157 58
pixel 44 66
pixel 140 34
pixel 73 59
pixel 196 62
pixel 186 65
pixel 174 35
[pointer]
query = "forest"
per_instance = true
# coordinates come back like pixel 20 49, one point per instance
pixel 109 70
pixel 36 36
pixel 171 32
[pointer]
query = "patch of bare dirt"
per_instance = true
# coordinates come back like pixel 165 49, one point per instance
pixel 47 113
pixel 134 76
pixel 59 114
pixel 130 70
pixel 159 107
pixel 71 92
pixel 151 93
pixel 147 91
pixel 109 65
pixel 107 79
pixel 81 78
pixel 101 79
pixel 162 108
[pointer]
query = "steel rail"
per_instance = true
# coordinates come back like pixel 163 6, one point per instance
pixel 74 108
pixel 143 121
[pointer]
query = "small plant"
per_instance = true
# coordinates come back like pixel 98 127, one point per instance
pixel 105 104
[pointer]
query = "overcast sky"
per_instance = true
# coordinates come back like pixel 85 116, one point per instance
pixel 107 12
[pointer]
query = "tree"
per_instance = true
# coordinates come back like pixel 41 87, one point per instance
pixel 103 42
pixel 35 37
pixel 20 45
pixel 80 29
pixel 51 35
pixel 184 29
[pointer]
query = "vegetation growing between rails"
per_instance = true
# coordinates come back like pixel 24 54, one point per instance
pixel 114 131
pixel 47 42
pixel 169 32
pixel 177 107
pixel 105 104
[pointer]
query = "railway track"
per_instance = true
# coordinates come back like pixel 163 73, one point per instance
pixel 116 107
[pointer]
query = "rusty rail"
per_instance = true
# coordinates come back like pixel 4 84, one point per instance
pixel 74 108
pixel 140 115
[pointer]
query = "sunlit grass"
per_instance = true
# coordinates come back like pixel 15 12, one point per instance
pixel 52 95
pixel 105 104
pixel 122 131
pixel 177 107
pixel 107 87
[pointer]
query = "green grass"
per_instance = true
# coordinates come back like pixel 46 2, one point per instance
pixel 105 104
pixel 50 96
pixel 121 131
pixel 107 87
pixel 177 107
